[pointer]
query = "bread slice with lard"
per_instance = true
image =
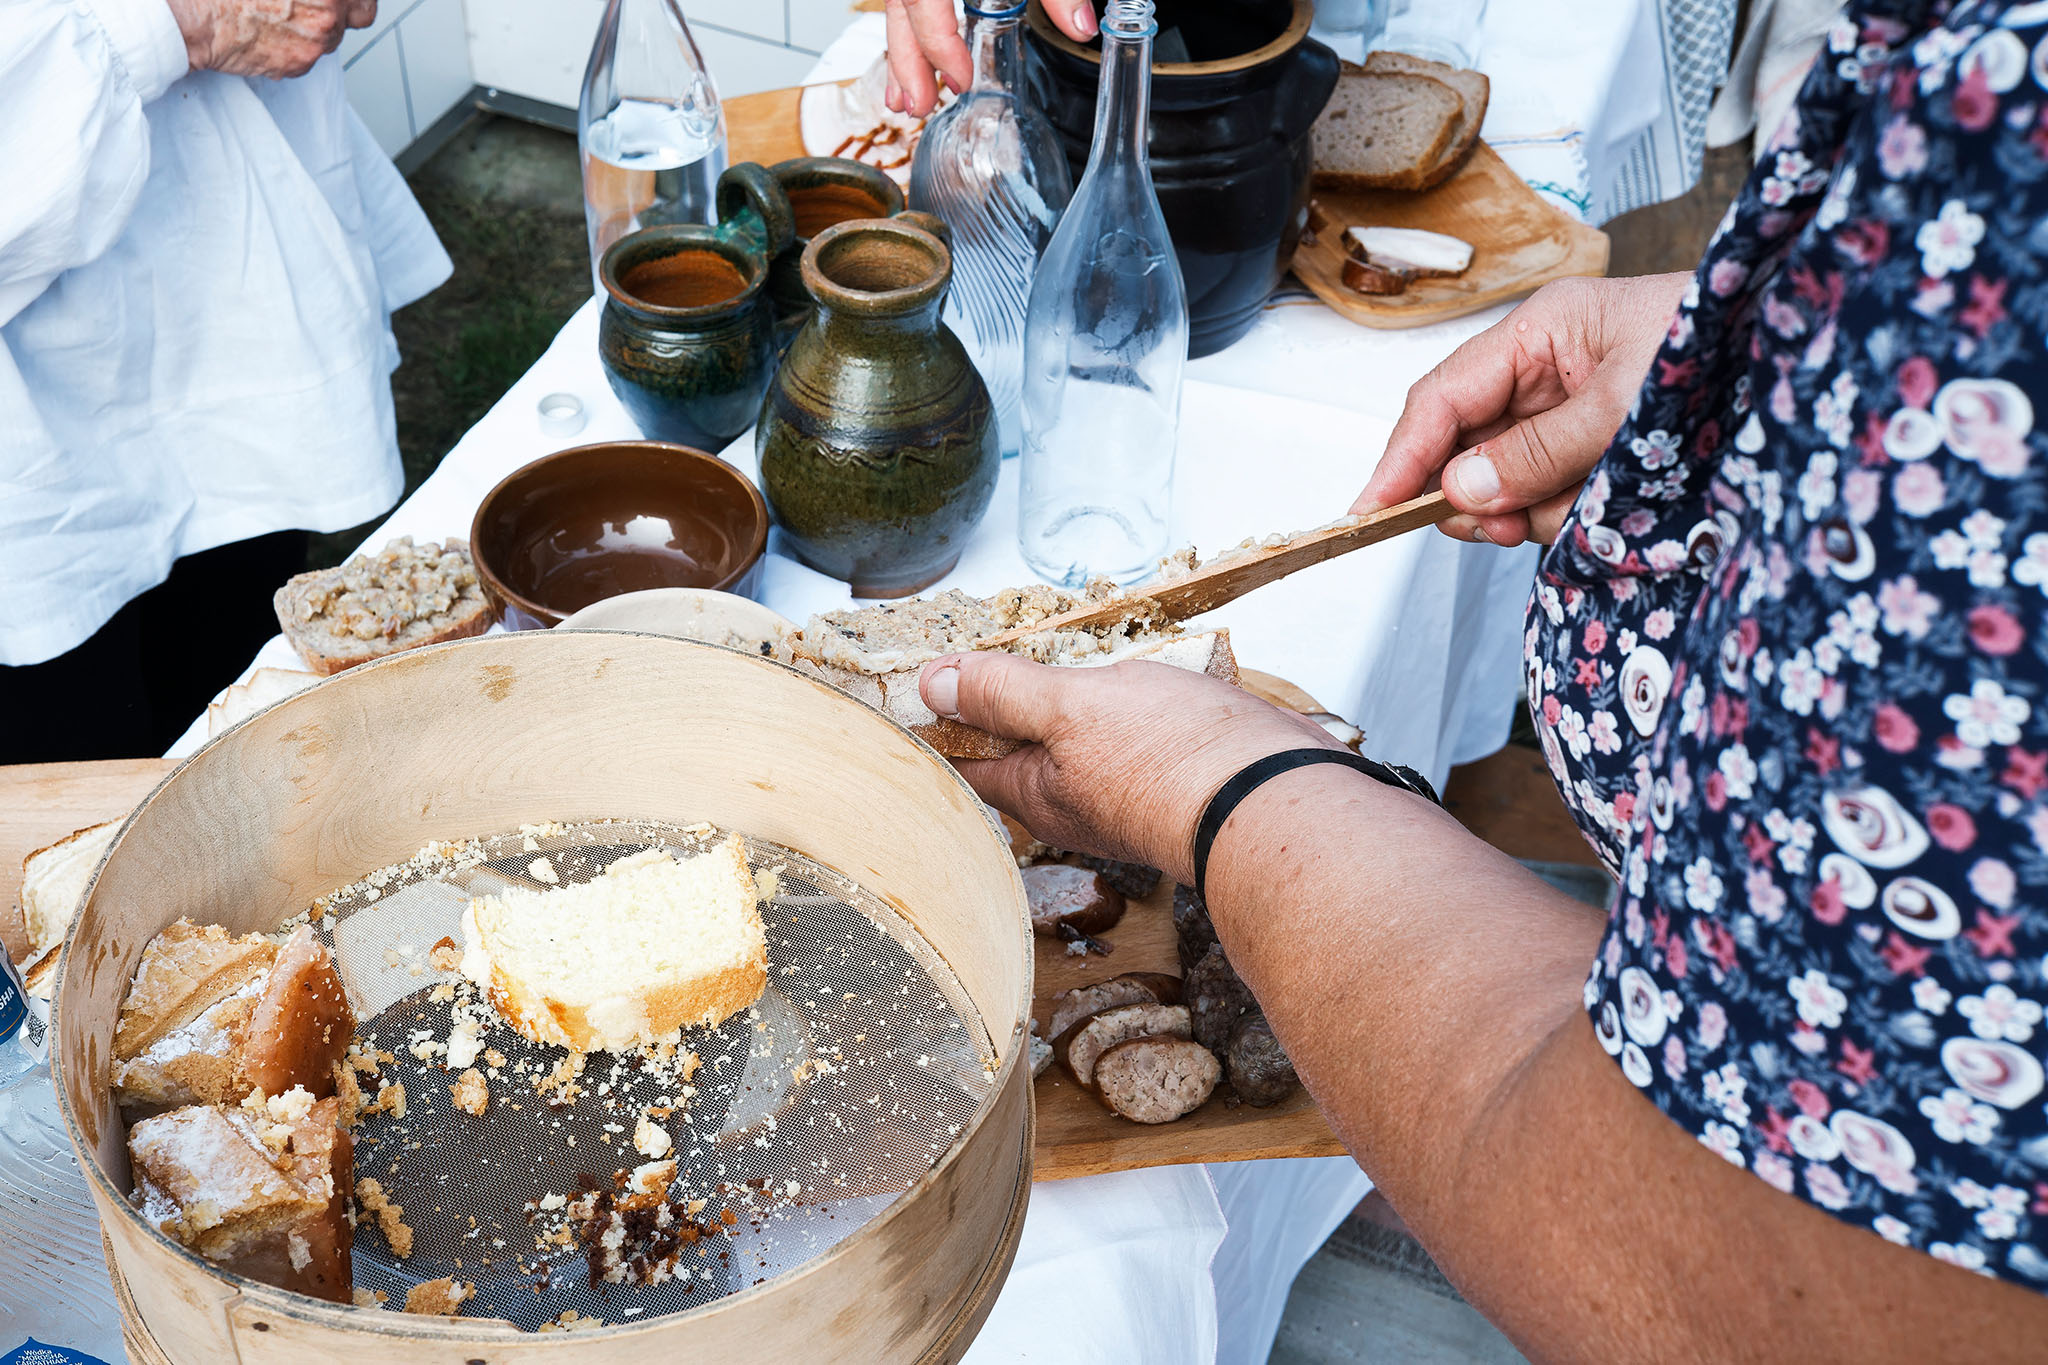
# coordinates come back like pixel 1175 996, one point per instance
pixel 875 654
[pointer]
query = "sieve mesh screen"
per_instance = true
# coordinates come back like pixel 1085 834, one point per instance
pixel 806 1116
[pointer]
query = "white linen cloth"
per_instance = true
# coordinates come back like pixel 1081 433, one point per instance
pixel 196 277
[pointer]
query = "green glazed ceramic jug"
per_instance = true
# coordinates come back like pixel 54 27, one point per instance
pixel 877 439
pixel 687 335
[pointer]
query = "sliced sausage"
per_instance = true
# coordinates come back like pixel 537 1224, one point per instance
pixel 1156 1080
pixel 1132 881
pixel 1070 897
pixel 1216 999
pixel 1259 1070
pixel 1191 922
pixel 1080 1045
pixel 1132 988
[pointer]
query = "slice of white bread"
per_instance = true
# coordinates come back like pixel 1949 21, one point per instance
pixel 1472 89
pixel 896 696
pixel 53 884
pixel 654 945
pixel 402 597
pixel 185 971
pixel 266 687
pixel 1383 130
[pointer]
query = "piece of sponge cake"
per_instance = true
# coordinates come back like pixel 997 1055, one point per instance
pixel 654 945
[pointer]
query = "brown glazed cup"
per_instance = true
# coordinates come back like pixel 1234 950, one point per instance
pixel 823 191
pixel 595 521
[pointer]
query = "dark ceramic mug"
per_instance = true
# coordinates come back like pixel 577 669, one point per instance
pixel 823 191
pixel 687 336
pixel 877 442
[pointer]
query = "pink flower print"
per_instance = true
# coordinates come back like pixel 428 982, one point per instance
pixel 1659 624
pixel 1895 730
pixel 1958 1118
pixel 2031 567
pixel 1902 148
pixel 1993 630
pixel 1713 1025
pixel 1917 381
pixel 1973 104
pixel 1766 897
pixel 1782 318
pixel 1993 881
pixel 1861 489
pixel 1931 996
pixel 1988 715
pixel 1824 1183
pixel 1988 421
pixel 1606 737
pixel 1918 490
pixel 1723 1141
pixel 1968 1257
pixel 1595 636
pixel 1951 826
pixel 1774 1170
pixel 1800 683
pixel 1727 276
pixel 1948 242
pixel 1893 1230
pixel 1665 556
pixel 1674 1057
pixel 1905 609
pixel 2000 1014
pixel 1811 1099
pixel 1820 1003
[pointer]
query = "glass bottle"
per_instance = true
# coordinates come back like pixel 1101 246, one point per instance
pixel 1105 342
pixel 649 127
pixel 991 167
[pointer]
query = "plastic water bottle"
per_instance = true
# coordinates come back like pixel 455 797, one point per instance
pixel 56 1306
pixel 649 127
pixel 1105 343
pixel 989 165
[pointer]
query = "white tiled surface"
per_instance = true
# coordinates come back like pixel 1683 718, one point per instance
pixel 376 87
pixel 537 48
pixel 408 68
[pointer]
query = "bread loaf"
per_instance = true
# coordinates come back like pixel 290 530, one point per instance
pixel 1383 130
pixel 1473 91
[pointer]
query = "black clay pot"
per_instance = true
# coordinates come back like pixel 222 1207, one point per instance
pixel 687 335
pixel 1230 141
pixel 877 441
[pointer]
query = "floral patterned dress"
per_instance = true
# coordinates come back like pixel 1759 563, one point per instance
pixel 1790 664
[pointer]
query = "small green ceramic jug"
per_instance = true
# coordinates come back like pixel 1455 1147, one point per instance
pixel 823 191
pixel 687 336
pixel 877 440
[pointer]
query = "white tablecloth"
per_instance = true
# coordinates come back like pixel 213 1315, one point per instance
pixel 1416 640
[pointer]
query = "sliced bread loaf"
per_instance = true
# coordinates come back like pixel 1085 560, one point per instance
pixel 1472 89
pixel 1383 130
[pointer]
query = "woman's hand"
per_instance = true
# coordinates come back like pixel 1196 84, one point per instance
pixel 275 38
pixel 1515 419
pixel 1117 761
pixel 924 34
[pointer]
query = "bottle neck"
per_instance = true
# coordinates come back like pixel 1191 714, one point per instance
pixel 1123 101
pixel 997 43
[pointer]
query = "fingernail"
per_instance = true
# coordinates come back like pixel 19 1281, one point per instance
pixel 1084 20
pixel 1479 534
pixel 1476 477
pixel 942 692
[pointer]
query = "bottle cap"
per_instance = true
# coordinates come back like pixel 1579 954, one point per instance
pixel 561 414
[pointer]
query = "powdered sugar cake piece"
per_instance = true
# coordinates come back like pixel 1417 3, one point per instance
pixel 654 945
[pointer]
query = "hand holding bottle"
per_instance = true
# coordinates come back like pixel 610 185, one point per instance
pixel 924 35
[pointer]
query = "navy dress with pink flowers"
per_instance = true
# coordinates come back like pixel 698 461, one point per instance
pixel 1790 664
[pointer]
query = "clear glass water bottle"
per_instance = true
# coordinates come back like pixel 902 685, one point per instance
pixel 649 127
pixel 992 168
pixel 1105 342
pixel 53 1285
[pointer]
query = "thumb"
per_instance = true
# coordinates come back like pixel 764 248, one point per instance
pixel 1000 693
pixel 1536 458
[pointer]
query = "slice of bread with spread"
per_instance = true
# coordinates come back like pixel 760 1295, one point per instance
pixel 402 597
pixel 875 654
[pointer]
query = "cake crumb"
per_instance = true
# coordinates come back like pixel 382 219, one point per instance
pixel 471 1092
pixel 650 1139
pixel 445 955
pixel 390 1099
pixel 441 994
pixel 440 1298
pixel 370 1298
pixel 390 1216
pixel 541 870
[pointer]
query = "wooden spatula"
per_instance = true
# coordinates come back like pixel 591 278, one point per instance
pixel 1207 589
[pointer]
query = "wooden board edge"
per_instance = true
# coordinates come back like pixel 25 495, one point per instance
pixel 1076 1160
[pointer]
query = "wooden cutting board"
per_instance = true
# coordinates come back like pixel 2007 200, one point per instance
pixel 41 803
pixel 764 127
pixel 1520 241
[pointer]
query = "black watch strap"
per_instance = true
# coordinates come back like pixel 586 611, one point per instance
pixel 1231 794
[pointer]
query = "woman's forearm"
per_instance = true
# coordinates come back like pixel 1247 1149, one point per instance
pixel 1429 991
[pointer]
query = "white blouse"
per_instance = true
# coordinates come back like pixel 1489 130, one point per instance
pixel 197 273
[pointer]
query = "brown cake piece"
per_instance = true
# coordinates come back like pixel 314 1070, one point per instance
pixel 440 1298
pixel 286 1025
pixel 185 970
pixel 260 1189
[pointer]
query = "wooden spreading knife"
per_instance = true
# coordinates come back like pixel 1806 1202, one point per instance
pixel 1238 573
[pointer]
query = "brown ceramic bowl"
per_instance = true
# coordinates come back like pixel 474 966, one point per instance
pixel 595 521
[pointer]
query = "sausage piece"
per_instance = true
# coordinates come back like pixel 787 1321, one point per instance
pixel 1072 898
pixel 1132 988
pixel 1259 1070
pixel 1132 881
pixel 1156 1080
pixel 1216 999
pixel 1191 923
pixel 1080 1045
